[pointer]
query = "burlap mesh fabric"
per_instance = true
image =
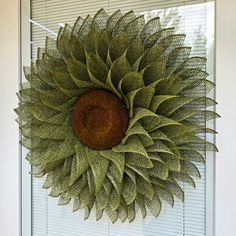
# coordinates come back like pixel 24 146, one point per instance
pixel 164 90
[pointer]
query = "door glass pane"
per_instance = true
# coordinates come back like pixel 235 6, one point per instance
pixel 196 19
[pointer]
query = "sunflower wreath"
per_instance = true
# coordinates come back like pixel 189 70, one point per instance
pixel 114 114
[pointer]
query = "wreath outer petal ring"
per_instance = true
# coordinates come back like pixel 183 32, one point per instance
pixel 164 91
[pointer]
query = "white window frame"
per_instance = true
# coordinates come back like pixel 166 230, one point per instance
pixel 26 178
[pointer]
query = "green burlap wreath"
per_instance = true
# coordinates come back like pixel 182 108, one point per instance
pixel 162 89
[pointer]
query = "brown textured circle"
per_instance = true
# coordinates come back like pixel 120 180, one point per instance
pixel 100 119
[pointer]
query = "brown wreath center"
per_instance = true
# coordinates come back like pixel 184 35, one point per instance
pixel 99 119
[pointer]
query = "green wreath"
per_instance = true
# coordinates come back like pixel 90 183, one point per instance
pixel 113 114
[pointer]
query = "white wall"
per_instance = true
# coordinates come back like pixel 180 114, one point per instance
pixel 226 126
pixel 9 158
pixel 226 96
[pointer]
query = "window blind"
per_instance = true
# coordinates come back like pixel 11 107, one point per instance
pixel 195 18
